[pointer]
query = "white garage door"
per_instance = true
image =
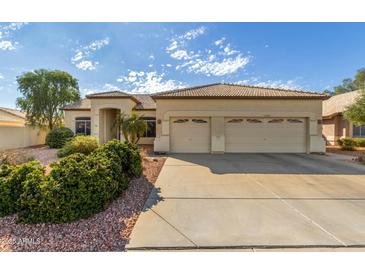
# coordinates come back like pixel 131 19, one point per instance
pixel 190 134
pixel 286 135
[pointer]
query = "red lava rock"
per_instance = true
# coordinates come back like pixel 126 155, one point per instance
pixel 106 231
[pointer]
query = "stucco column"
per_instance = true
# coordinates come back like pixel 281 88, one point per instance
pixel 217 135
pixel 95 120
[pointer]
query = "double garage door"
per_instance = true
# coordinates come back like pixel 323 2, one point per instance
pixel 242 134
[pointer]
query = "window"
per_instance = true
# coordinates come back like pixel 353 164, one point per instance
pixel 151 127
pixel 235 121
pixel 254 121
pixel 181 121
pixel 295 121
pixel 83 125
pixel 358 131
pixel 199 121
pixel 276 121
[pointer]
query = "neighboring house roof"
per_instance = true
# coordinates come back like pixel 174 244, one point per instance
pixel 84 104
pixel 338 103
pixel 14 112
pixel 145 102
pixel 233 91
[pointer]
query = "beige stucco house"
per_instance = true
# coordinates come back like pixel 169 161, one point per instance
pixel 335 126
pixel 14 133
pixel 214 118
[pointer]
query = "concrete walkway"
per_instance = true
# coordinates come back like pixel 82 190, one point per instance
pixel 254 201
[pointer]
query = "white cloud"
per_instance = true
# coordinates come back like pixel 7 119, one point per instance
pixel 86 65
pixel 281 84
pixel 83 55
pixel 6 33
pixel 1 76
pixel 219 61
pixel 152 57
pixel 148 82
pixel 220 41
pixel 180 54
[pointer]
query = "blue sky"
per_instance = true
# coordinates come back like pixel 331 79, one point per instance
pixel 150 57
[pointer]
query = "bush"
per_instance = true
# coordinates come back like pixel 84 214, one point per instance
pixel 11 185
pixel 79 144
pixel 126 157
pixel 78 186
pixel 360 142
pixel 57 137
pixel 347 143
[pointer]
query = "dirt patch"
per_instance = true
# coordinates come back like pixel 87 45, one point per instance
pixel 43 154
pixel 106 231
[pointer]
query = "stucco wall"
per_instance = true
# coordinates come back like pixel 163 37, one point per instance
pixel 22 136
pixel 335 128
pixel 166 108
pixel 71 115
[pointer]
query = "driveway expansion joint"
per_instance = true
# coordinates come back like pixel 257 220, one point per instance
pixel 303 215
pixel 175 228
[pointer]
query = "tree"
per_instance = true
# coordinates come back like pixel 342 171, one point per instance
pixel 356 111
pixel 44 93
pixel 350 85
pixel 133 127
pixel 360 78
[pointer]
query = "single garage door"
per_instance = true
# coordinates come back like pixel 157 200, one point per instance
pixel 190 134
pixel 283 135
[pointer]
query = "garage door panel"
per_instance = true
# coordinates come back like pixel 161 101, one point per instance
pixel 190 135
pixel 262 135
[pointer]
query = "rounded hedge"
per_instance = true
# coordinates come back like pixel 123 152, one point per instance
pixel 79 144
pixel 57 137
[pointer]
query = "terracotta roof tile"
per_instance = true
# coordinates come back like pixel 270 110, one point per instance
pixel 113 93
pixel 84 104
pixel 237 91
pixel 14 112
pixel 337 104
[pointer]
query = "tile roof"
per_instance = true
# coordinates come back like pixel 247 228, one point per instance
pixel 237 91
pixel 337 104
pixel 108 94
pixel 145 102
pixel 84 104
pixel 14 112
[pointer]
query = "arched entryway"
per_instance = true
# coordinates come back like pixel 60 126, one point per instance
pixel 107 129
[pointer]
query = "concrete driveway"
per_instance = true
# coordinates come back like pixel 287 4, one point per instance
pixel 254 201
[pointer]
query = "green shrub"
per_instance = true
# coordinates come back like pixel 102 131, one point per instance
pixel 78 186
pixel 79 144
pixel 11 185
pixel 347 143
pixel 57 137
pixel 126 157
pixel 360 142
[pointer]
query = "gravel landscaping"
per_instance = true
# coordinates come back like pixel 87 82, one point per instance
pixel 106 231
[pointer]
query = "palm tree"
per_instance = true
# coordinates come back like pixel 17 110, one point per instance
pixel 133 127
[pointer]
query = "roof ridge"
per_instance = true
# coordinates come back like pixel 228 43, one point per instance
pixel 103 92
pixel 184 89
pixel 272 88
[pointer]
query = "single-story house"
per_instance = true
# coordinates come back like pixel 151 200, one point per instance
pixel 335 126
pixel 213 118
pixel 14 133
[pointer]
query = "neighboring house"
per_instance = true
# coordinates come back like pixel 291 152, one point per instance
pixel 334 124
pixel 14 133
pixel 214 118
